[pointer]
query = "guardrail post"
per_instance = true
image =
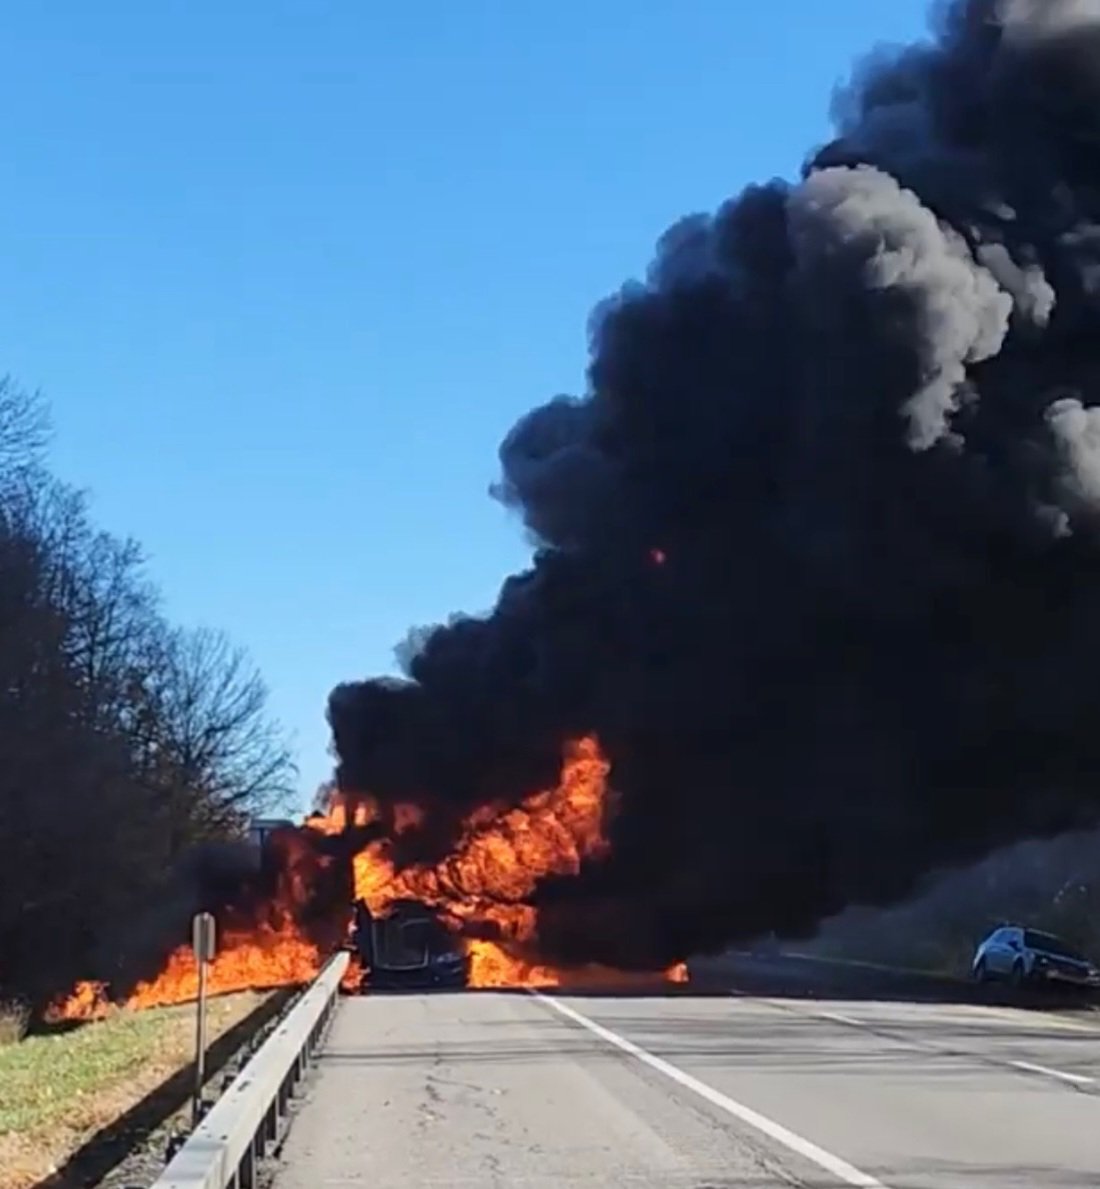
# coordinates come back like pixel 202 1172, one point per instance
pixel 246 1169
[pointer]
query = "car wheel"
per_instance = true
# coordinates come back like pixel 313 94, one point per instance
pixel 981 973
pixel 1017 977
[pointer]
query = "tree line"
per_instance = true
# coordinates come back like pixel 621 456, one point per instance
pixel 125 740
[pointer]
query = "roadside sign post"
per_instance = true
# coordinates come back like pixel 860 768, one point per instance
pixel 203 942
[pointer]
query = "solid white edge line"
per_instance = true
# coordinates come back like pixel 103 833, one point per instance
pixel 833 1165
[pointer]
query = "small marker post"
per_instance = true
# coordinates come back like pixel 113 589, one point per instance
pixel 203 942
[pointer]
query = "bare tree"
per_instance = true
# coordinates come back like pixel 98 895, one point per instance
pixel 24 433
pixel 211 729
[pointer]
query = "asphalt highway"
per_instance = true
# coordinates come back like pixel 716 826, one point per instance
pixel 763 1073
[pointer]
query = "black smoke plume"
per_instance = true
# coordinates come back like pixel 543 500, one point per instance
pixel 858 418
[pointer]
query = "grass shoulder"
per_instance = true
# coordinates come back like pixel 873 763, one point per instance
pixel 60 1088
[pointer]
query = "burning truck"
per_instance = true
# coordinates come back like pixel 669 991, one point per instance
pixel 407 947
pixel 403 944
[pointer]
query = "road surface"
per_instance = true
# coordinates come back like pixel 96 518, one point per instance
pixel 698 1089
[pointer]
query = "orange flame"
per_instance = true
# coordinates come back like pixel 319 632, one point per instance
pixel 501 854
pixel 258 960
pixel 482 885
pixel 87 1001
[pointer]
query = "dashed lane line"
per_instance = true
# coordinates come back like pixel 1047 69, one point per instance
pixel 881 1028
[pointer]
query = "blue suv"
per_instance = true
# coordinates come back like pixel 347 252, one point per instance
pixel 1020 956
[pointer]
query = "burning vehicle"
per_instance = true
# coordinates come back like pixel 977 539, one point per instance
pixel 408 947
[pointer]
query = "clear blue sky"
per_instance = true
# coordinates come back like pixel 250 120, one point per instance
pixel 287 271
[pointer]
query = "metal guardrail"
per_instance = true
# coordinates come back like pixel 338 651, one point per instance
pixel 225 1148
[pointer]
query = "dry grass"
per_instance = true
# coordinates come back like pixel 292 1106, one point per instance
pixel 58 1090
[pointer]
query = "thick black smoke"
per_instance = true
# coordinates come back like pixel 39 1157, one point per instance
pixel 859 415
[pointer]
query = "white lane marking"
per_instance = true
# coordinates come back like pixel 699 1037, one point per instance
pixel 889 1029
pixel 833 1165
pixel 1075 1079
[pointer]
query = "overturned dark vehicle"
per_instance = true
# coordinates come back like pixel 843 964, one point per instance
pixel 409 948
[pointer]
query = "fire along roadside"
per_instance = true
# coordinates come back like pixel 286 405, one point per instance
pixel 236 1133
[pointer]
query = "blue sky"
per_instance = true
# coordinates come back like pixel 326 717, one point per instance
pixel 287 271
